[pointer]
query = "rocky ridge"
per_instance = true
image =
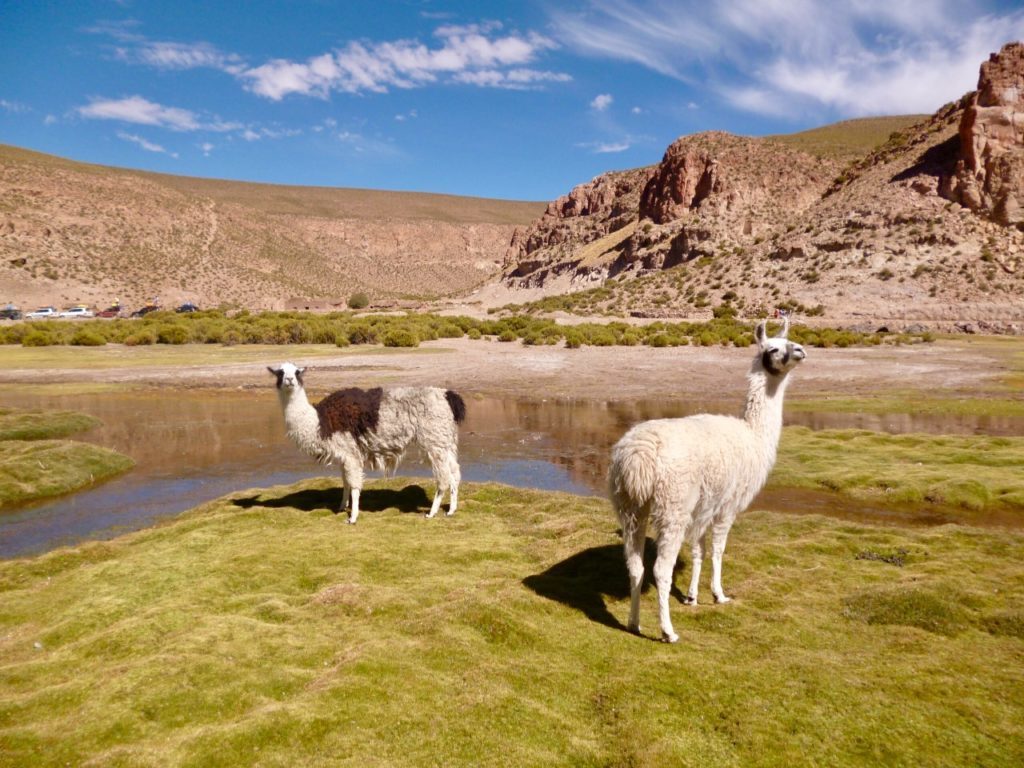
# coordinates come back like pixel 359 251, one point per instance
pixel 925 228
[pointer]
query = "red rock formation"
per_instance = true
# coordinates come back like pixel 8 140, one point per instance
pixel 990 175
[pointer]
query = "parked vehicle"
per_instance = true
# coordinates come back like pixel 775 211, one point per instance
pixel 41 313
pixel 77 311
pixel 145 310
pixel 10 313
pixel 112 311
pixel 188 306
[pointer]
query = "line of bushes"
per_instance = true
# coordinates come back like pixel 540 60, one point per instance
pixel 345 328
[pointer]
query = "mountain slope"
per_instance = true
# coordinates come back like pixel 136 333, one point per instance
pixel 77 232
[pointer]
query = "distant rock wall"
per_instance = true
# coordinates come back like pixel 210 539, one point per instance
pixel 989 178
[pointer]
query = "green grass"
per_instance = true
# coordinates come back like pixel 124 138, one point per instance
pixel 974 472
pixel 261 630
pixel 37 469
pixel 39 425
pixel 917 403
pixel 848 139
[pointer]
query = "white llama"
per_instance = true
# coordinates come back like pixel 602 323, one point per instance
pixel 686 476
pixel 354 427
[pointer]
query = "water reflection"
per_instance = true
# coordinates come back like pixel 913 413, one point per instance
pixel 193 447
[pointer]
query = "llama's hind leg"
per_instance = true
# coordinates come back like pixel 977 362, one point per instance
pixel 670 541
pixel 719 534
pixel 634 535
pixel 698 551
pixel 442 479
pixel 455 477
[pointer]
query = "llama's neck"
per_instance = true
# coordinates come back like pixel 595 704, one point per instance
pixel 300 418
pixel 763 409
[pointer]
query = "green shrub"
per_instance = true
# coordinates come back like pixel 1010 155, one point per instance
pixel 143 337
pixel 400 337
pixel 87 338
pixel 508 335
pixel 341 340
pixel 38 338
pixel 474 333
pixel 358 301
pixel 362 333
pixel 450 331
pixel 173 334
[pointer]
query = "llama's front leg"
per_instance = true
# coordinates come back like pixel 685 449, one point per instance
pixel 633 543
pixel 697 553
pixel 720 532
pixel 353 479
pixel 344 497
pixel 669 543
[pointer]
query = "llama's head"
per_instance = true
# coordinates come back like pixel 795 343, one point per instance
pixel 288 376
pixel 778 354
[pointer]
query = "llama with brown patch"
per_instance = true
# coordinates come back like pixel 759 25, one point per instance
pixel 355 427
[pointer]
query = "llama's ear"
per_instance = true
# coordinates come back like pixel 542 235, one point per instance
pixel 760 333
pixel 785 327
pixel 273 370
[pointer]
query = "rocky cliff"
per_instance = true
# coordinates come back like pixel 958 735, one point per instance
pixel 927 227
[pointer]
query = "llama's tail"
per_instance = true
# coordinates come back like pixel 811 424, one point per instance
pixel 457 404
pixel 632 477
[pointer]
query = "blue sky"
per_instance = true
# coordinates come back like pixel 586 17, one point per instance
pixel 517 100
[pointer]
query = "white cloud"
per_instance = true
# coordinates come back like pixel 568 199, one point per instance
pixel 141 111
pixel 412 114
pixel 785 57
pixel 475 54
pixel 149 146
pixel 170 55
pixel 207 148
pixel 601 102
pixel 50 120
pixel 636 111
pixel 606 147
pixel 15 107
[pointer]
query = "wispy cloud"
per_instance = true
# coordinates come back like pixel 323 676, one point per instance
pixel 15 107
pixel 786 57
pixel 149 146
pixel 206 148
pixel 476 54
pixel 601 102
pixel 172 56
pixel 606 147
pixel 141 111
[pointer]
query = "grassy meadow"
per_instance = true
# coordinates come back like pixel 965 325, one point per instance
pixel 260 629
pixel 35 463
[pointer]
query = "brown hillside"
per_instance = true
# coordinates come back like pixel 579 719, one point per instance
pixel 73 232
pixel 926 227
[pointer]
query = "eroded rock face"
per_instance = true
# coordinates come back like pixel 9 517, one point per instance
pixel 589 212
pixel 990 175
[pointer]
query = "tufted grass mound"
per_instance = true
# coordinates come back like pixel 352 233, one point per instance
pixel 974 472
pixel 38 469
pixel 260 629
pixel 38 425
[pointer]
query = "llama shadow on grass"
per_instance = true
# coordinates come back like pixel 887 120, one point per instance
pixel 412 498
pixel 583 581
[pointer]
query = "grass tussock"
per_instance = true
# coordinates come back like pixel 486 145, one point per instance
pixel 975 472
pixel 35 465
pixel 260 629
pixel 39 425
pixel 38 469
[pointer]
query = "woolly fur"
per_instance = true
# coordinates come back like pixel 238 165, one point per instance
pixel 343 430
pixel 686 477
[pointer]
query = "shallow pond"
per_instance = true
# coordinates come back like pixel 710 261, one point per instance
pixel 193 447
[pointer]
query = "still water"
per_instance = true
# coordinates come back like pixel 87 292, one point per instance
pixel 193 447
